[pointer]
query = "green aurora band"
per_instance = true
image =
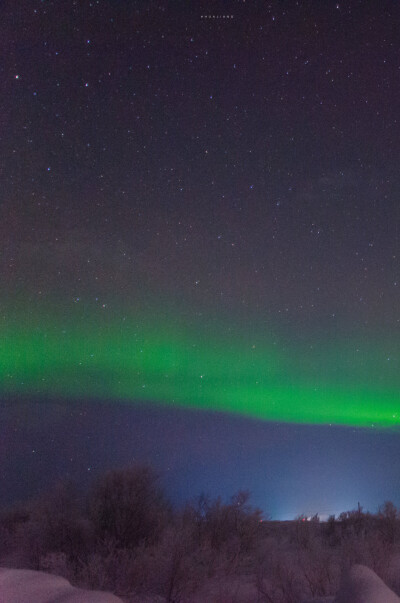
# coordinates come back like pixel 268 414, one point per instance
pixel 141 358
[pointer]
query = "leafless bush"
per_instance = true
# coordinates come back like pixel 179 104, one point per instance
pixel 368 549
pixel 234 525
pixel 11 521
pixel 389 519
pixel 305 531
pixel 56 563
pixel 128 506
pixel 107 568
pixel 320 569
pixel 55 525
pixel 279 582
pixel 170 568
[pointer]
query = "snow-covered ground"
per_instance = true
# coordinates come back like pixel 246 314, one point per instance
pixel 362 585
pixel 359 585
pixel 27 586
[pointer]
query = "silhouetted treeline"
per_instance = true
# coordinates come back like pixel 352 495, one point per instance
pixel 125 536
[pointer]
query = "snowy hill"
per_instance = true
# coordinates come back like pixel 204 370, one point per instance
pixel 27 586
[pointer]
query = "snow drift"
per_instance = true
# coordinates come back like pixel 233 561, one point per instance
pixel 23 586
pixel 361 585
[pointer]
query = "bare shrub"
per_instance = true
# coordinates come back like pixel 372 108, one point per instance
pixel 305 531
pixel 277 577
pixel 11 521
pixel 279 582
pixel 107 568
pixel 55 525
pixel 55 563
pixel 388 517
pixel 320 569
pixel 128 507
pixel 331 531
pixel 369 550
pixel 237 521
pixel 355 522
pixel 171 568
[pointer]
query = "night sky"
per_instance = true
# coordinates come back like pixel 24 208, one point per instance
pixel 199 247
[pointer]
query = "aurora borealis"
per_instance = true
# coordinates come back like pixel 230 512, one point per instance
pixel 199 246
pixel 137 358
